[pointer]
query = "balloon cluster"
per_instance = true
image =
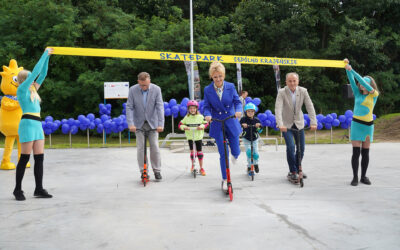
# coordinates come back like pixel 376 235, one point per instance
pixel 268 119
pixel 104 123
pixel 50 125
pixel 172 108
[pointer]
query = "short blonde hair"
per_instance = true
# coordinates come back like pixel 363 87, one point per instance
pixel 21 77
pixel 216 67
pixel 143 76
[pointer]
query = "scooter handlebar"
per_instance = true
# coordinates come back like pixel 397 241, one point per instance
pixel 223 120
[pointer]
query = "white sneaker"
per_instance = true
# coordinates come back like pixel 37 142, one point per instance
pixel 224 186
pixel 234 160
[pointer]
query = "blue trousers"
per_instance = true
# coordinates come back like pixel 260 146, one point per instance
pixel 233 144
pixel 292 155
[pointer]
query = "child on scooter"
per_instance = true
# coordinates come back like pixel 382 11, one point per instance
pixel 250 119
pixel 194 117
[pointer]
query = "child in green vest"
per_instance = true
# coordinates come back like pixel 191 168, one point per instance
pixel 194 118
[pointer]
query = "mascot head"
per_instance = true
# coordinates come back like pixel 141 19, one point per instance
pixel 9 83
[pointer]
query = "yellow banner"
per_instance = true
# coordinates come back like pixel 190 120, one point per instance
pixel 173 56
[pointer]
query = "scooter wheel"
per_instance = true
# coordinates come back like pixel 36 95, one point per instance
pixel 252 177
pixel 194 173
pixel 301 183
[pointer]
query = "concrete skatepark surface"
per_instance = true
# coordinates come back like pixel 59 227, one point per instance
pixel 99 203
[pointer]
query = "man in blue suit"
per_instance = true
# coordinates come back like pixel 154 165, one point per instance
pixel 221 101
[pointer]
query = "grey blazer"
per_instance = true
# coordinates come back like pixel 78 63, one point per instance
pixel 286 115
pixel 153 113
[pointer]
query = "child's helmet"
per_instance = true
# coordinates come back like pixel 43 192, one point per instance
pixel 249 106
pixel 193 103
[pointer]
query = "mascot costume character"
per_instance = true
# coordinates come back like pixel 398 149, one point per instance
pixel 10 113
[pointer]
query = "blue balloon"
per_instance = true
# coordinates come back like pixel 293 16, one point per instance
pixel 342 118
pixel 175 110
pixel 108 106
pixel 120 128
pixel 328 125
pixel 335 122
pixel 319 126
pixel 328 119
pixel 71 121
pixel 83 127
pixel 65 128
pixel 334 115
pixel 97 121
pixel 268 112
pixel 100 127
pixel 81 117
pixel 267 123
pixel 101 105
pixel 167 112
pixel 117 121
pixel 48 119
pixel 90 116
pixel 77 123
pixel 348 121
pixel 175 114
pixel 373 117
pixel 262 116
pixel 172 103
pixel 125 124
pixel 55 126
pixel 166 105
pixel 348 113
pixel 74 129
pixel 272 118
pixel 47 131
pixel 107 124
pixel 104 118
pixel 92 125
pixel 124 105
pixel 184 101
pixel 64 121
pixel 344 125
pixel 248 99
pixel 257 101
pixel 182 111
pixel 320 117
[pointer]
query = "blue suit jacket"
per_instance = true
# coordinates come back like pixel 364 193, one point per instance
pixel 220 109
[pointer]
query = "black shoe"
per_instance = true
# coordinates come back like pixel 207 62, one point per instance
pixel 42 193
pixel 365 180
pixel 19 195
pixel 354 182
pixel 304 176
pixel 158 176
pixel 256 168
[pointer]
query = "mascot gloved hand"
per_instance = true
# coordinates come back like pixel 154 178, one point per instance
pixel 10 113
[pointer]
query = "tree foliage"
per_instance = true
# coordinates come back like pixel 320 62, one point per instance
pixel 365 31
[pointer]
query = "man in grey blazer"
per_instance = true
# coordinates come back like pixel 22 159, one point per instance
pixel 145 112
pixel 288 113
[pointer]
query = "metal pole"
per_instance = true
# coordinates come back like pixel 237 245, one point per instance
pixel 331 136
pixel 172 124
pixel 103 138
pixel 120 143
pixel 50 139
pixel 191 91
pixel 88 143
pixel 70 140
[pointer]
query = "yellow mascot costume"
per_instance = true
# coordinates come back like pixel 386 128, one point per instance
pixel 10 113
